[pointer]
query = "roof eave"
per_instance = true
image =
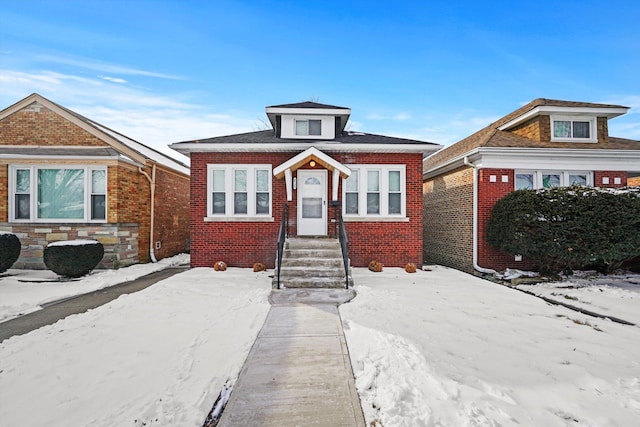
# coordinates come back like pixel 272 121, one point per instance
pixel 542 110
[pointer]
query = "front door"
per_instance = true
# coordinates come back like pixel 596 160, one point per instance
pixel 312 202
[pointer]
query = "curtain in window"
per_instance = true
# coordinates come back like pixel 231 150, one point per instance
pixel 23 194
pixel 394 192
pixel 577 180
pixel 581 129
pixel 550 180
pixel 61 193
pixel 98 194
pixel 524 181
pixel 240 192
pixel 262 191
pixel 562 129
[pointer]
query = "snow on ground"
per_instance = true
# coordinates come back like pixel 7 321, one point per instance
pixel 25 291
pixel 158 357
pixel 610 295
pixel 443 348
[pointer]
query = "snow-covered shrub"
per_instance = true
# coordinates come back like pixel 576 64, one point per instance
pixel 73 258
pixel 565 228
pixel 9 250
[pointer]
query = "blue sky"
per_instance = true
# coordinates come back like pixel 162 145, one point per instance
pixel 167 71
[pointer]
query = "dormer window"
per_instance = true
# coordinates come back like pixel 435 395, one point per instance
pixel 573 129
pixel 308 127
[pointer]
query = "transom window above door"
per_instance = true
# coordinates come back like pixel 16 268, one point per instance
pixel 241 191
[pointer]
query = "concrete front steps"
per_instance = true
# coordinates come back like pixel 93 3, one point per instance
pixel 312 262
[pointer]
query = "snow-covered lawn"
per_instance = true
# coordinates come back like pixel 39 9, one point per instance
pixel 25 291
pixel 442 348
pixel 158 357
pixel 434 348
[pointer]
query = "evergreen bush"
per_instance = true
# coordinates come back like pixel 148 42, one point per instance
pixel 73 258
pixel 9 250
pixel 565 228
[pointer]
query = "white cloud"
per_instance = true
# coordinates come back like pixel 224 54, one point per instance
pixel 114 79
pixel 394 117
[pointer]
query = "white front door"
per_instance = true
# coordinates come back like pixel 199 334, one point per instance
pixel 312 202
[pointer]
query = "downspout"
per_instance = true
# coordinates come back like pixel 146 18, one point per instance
pixel 475 219
pixel 152 183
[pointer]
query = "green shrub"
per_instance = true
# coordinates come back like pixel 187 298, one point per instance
pixel 73 258
pixel 565 228
pixel 9 250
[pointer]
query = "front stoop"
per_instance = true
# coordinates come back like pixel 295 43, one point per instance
pixel 312 262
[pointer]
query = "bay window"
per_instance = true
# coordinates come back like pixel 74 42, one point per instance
pixel 58 194
pixel 375 191
pixel 238 190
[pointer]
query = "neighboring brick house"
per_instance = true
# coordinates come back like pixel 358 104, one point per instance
pixel 309 162
pixel 543 144
pixel 64 177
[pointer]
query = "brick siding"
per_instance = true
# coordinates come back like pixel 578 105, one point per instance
pixel 243 243
pixel 125 236
pixel 448 219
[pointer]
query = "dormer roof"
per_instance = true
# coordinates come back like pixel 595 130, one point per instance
pixel 308 108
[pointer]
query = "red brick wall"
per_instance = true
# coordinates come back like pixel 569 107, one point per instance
pixel 4 193
pixel 613 176
pixel 244 243
pixel 488 194
pixel 448 219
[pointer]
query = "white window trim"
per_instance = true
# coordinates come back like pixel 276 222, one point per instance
pixel 229 215
pixel 33 194
pixel 384 214
pixel 593 128
pixel 564 177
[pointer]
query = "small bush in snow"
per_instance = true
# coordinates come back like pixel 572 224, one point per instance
pixel 9 250
pixel 73 258
pixel 565 228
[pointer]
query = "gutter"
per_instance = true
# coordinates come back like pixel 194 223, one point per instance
pixel 475 219
pixel 152 183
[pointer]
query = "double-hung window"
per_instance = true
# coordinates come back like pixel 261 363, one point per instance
pixel 58 194
pixel 548 179
pixel 375 191
pixel 573 129
pixel 238 190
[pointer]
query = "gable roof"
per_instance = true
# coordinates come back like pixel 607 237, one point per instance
pixel 496 135
pixel 122 144
pixel 267 141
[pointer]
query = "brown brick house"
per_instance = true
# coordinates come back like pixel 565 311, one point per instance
pixel 311 164
pixel 64 176
pixel 543 144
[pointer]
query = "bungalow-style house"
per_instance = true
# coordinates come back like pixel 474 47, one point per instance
pixel 310 166
pixel 545 143
pixel 65 177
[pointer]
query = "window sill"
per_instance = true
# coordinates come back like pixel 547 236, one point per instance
pixel 576 140
pixel 375 219
pixel 238 219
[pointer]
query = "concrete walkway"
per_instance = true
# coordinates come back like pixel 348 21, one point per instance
pixel 298 372
pixel 60 309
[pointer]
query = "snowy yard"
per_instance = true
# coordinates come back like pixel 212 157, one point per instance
pixel 442 348
pixel 434 348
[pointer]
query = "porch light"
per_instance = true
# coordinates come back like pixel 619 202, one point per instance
pixel 312 163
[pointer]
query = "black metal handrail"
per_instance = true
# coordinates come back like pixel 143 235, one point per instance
pixel 344 245
pixel 282 237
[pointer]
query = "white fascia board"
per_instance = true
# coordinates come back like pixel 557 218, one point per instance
pixel 190 147
pixel 310 111
pixel 571 111
pixel 543 158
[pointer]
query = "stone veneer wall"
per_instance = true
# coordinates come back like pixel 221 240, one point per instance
pixel 120 241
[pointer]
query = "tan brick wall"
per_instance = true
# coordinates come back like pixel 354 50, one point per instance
pixel 448 219
pixel 603 130
pixel 37 125
pixel 531 129
pixel 171 226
